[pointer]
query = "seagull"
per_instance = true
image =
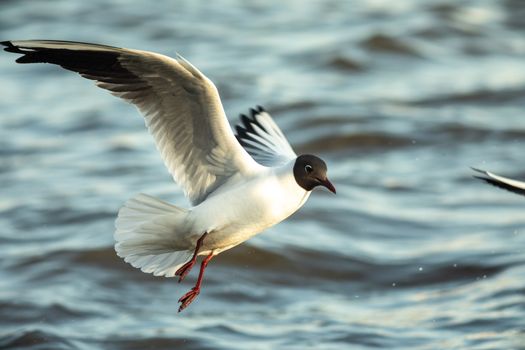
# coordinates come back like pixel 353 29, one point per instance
pixel 505 183
pixel 237 184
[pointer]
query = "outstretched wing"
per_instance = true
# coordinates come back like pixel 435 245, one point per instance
pixel 501 182
pixel 181 107
pixel 263 140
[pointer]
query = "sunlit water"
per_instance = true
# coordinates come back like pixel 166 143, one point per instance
pixel 400 98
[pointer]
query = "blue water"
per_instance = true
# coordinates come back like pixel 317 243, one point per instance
pixel 400 98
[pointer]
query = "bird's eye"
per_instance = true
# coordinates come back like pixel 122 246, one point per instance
pixel 308 168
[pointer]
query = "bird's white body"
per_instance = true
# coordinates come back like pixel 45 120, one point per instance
pixel 241 209
pixel 159 237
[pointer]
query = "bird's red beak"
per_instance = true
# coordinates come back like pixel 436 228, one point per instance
pixel 326 183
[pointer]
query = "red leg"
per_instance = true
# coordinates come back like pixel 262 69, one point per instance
pixel 185 269
pixel 187 298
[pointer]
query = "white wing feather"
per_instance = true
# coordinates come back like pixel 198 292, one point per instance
pixel 505 183
pixel 263 140
pixel 181 107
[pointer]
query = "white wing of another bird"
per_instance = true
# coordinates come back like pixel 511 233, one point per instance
pixel 501 182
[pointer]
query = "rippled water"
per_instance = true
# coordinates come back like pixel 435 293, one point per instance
pixel 400 97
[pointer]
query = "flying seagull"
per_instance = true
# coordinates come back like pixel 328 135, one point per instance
pixel 501 182
pixel 238 185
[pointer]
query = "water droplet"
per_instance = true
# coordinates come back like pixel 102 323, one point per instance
pixel 420 268
pixel 455 265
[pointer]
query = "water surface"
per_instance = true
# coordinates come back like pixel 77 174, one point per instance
pixel 399 98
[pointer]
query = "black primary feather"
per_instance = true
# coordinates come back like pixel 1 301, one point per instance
pixel 103 66
pixel 247 127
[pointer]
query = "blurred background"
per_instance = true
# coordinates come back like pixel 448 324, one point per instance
pixel 400 98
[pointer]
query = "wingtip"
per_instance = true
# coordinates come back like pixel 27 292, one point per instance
pixel 479 170
pixel 244 119
pixel 251 116
pixel 9 46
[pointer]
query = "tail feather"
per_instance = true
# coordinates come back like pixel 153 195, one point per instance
pixel 147 230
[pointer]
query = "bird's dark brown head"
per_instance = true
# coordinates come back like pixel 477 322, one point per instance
pixel 310 171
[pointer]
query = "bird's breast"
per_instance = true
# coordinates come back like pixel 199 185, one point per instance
pixel 236 214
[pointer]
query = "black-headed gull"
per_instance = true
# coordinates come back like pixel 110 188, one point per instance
pixel 237 188
pixel 501 182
